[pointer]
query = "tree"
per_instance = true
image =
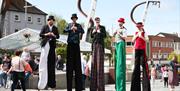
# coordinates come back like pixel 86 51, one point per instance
pixel 107 41
pixel 174 54
pixel 61 50
pixel 61 24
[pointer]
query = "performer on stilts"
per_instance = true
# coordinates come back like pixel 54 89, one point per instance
pixel 75 32
pixel 139 41
pixel 49 34
pixel 120 56
pixel 98 35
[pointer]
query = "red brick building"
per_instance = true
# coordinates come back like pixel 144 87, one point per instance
pixel 160 47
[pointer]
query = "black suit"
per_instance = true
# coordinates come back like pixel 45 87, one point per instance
pixel 51 56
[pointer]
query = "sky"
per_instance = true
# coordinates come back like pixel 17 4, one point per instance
pixel 163 19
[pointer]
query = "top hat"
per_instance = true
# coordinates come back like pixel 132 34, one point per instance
pixel 74 16
pixel 121 20
pixel 97 19
pixel 51 18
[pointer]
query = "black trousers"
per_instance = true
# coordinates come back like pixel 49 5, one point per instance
pixel 73 64
pixel 165 81
pixel 16 76
pixel 51 66
pixel 136 79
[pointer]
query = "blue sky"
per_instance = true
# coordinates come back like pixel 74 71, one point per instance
pixel 163 19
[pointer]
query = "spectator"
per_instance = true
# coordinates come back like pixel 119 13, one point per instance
pixel 17 69
pixel 165 76
pixel 59 63
pixel 173 76
pixel 83 67
pixel 153 75
pixel 6 64
pixel 26 57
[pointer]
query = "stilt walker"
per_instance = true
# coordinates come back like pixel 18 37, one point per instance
pixel 49 34
pixel 140 40
pixel 98 35
pixel 120 56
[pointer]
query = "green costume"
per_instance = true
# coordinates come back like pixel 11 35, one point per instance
pixel 120 60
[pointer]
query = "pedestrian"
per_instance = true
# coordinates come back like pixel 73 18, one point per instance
pixel 27 57
pixel 49 34
pixel 18 71
pixel 83 67
pixel 173 73
pixel 153 75
pixel 139 41
pixel 120 56
pixel 162 71
pixel 98 35
pixel 5 67
pixel 75 32
pixel 59 63
pixel 165 76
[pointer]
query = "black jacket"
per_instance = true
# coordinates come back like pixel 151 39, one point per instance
pixel 45 29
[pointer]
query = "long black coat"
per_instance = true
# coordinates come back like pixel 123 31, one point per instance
pixel 45 29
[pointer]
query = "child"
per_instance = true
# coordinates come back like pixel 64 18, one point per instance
pixel 165 75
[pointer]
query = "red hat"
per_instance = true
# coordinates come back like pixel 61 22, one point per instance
pixel 139 24
pixel 121 20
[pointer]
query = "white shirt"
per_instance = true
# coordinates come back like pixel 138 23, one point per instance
pixel 165 74
pixel 120 33
pixel 50 28
pixel 25 56
pixel 83 65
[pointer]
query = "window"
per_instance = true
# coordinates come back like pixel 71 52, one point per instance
pixel 154 55
pixel 165 55
pixel 153 43
pixel 29 19
pixel 159 44
pixel 39 20
pixel 16 18
pixel 167 44
pixel 16 30
pixel 129 43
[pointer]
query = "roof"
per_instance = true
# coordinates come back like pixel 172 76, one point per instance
pixel 18 41
pixel 171 36
pixel 18 6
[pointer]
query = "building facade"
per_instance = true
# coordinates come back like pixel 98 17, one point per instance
pixel 160 48
pixel 176 40
pixel 16 18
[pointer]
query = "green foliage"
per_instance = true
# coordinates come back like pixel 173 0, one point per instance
pixel 174 54
pixel 61 24
pixel 107 41
pixel 6 51
pixel 61 50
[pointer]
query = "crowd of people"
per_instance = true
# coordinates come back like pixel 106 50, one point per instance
pixel 168 74
pixel 18 66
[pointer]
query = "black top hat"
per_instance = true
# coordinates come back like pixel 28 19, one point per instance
pixel 51 18
pixel 74 16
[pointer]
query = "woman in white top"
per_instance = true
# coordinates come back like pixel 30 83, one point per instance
pixel 17 69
